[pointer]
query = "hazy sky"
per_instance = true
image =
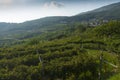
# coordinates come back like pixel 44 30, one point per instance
pixel 23 10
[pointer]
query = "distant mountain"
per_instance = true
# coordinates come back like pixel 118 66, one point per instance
pixel 109 12
pixel 4 26
pixel 31 28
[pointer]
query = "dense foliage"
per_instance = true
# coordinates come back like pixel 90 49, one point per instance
pixel 71 54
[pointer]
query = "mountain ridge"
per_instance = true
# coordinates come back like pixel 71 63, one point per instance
pixel 109 12
pixel 106 12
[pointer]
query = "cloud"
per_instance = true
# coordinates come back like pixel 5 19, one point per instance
pixel 15 3
pixel 53 4
pixel 5 3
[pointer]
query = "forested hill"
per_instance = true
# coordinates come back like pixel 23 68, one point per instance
pixel 62 48
pixel 71 54
pixel 11 30
pixel 109 12
pixel 31 28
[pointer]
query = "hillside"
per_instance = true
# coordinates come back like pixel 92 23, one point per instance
pixel 75 57
pixel 36 27
pixel 62 48
pixel 109 12
pixel 29 27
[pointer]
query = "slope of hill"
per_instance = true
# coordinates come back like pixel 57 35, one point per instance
pixel 61 48
pixel 109 12
pixel 75 57
pixel 30 29
pixel 36 27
